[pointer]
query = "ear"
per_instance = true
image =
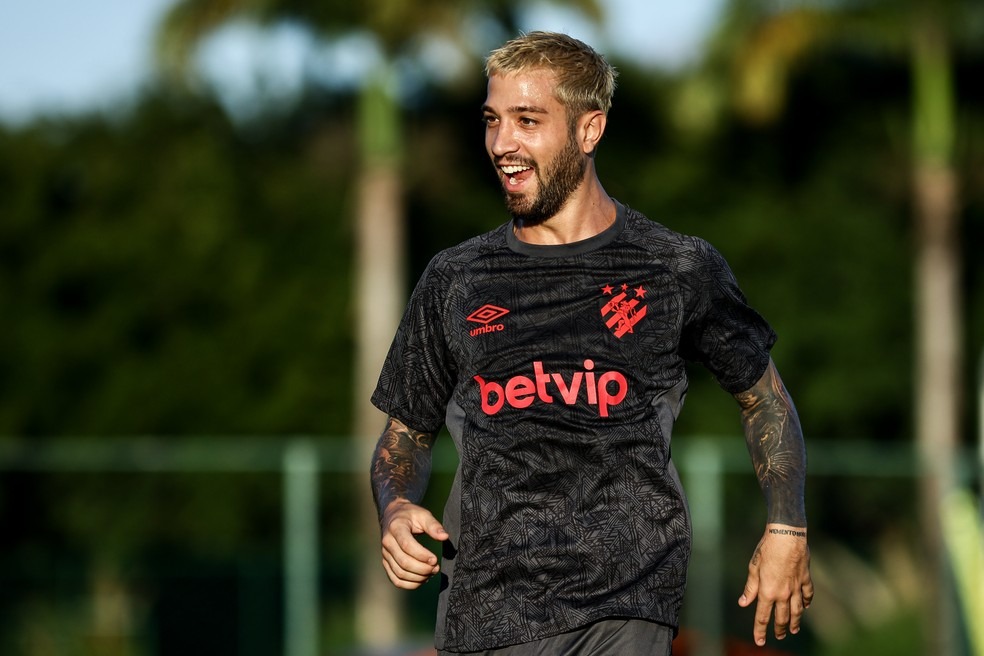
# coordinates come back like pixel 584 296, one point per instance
pixel 590 129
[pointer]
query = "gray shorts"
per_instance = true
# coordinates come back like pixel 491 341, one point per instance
pixel 605 638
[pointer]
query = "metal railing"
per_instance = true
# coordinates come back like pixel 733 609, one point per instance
pixel 703 463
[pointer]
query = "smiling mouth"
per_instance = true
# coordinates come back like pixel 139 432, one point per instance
pixel 511 171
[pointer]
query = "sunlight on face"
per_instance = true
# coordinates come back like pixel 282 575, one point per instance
pixel 532 145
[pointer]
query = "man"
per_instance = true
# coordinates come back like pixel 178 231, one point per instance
pixel 554 350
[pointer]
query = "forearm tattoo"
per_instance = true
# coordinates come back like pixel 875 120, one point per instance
pixel 401 464
pixel 775 443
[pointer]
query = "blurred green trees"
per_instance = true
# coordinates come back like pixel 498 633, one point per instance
pixel 168 271
pixel 160 270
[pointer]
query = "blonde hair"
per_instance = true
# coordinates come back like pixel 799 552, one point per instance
pixel 585 81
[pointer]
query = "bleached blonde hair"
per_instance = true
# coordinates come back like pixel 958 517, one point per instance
pixel 585 80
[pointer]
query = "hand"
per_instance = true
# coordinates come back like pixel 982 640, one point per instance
pixel 407 563
pixel 779 577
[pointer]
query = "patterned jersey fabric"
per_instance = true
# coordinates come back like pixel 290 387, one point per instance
pixel 559 371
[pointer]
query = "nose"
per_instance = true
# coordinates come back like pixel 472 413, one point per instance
pixel 500 141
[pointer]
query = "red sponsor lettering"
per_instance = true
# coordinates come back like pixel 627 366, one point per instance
pixel 605 390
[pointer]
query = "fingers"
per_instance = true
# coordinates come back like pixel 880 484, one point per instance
pixel 750 593
pixel 407 574
pixel 435 530
pixel 400 541
pixel 784 609
pixel 796 608
pixel 798 605
pixel 785 612
pixel 763 613
pixel 752 582
pixel 781 619
pixel 807 593
pixel 408 563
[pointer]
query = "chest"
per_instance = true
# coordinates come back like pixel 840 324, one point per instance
pixel 562 315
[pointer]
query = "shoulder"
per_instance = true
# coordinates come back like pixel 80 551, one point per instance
pixel 464 254
pixel 681 252
pixel 451 267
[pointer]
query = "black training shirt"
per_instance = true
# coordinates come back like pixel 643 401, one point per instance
pixel 559 371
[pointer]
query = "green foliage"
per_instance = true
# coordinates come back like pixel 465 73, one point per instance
pixel 169 272
pixel 169 275
pixel 901 635
pixel 812 215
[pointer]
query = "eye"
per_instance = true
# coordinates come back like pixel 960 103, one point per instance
pixel 490 119
pixel 527 122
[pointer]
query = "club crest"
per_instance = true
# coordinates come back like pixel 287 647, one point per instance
pixel 624 309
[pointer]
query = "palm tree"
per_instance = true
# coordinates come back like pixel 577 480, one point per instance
pixel 753 56
pixel 939 304
pixel 379 279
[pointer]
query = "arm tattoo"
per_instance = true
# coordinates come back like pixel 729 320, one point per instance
pixel 401 464
pixel 775 442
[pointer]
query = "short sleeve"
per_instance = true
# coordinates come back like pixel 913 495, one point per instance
pixel 721 331
pixel 417 379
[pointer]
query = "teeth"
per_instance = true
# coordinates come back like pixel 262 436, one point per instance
pixel 510 170
pixel 512 181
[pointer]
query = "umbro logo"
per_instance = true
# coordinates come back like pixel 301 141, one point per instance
pixel 485 315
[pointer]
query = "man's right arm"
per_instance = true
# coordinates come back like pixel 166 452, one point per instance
pixel 401 466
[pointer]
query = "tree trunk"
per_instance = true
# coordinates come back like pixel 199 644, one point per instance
pixel 112 611
pixel 379 301
pixel 938 313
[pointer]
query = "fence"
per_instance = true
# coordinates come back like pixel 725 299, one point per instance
pixel 300 463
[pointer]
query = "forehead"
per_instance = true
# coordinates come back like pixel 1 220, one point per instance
pixel 532 88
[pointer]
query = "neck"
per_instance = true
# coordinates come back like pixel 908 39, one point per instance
pixel 588 212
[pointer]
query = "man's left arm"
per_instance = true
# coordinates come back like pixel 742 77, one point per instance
pixel 779 571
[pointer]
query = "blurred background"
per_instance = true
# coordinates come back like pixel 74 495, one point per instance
pixel 212 212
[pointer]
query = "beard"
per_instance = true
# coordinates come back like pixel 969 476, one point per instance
pixel 561 177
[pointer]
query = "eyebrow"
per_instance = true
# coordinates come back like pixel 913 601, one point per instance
pixel 517 109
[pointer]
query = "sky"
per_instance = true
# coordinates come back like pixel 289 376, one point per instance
pixel 65 56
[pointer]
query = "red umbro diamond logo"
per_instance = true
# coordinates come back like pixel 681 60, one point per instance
pixel 487 313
